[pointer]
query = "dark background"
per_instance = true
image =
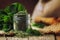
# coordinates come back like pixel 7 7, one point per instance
pixel 29 4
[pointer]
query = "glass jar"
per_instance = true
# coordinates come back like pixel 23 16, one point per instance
pixel 20 21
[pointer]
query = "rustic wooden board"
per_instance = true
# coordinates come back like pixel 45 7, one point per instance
pixel 57 37
pixel 16 38
pixel 45 37
pixel 24 38
pixel 2 38
pixel 8 38
pixel 33 38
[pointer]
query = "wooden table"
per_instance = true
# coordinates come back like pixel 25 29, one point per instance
pixel 45 37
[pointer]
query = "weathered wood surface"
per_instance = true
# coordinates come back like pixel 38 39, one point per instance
pixel 46 37
pixel 57 37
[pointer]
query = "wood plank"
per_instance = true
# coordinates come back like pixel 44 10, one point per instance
pixel 13 38
pixel 2 38
pixel 45 37
pixel 8 38
pixel 25 38
pixel 16 38
pixel 33 38
pixel 57 37
pixel 30 38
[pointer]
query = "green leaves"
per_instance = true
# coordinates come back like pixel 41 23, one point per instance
pixel 39 25
pixel 5 28
pixel 5 19
pixel 6 15
pixel 14 8
pixel 2 14
pixel 30 31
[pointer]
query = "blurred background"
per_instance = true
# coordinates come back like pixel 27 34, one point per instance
pixel 29 4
